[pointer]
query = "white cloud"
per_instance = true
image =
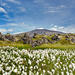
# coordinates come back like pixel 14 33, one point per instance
pixel 55 9
pixel 38 1
pixel 3 10
pixel 10 30
pixel 52 11
pixel 4 4
pixel 40 28
pixel 6 30
pixel 66 29
pixel 61 27
pixel 69 29
pixel 22 9
pixel 6 15
pixel 14 1
pixel 12 24
pixel 16 24
pixel 57 28
pixel 50 8
pixel 62 6
pixel 5 19
pixel 3 30
pixel 17 32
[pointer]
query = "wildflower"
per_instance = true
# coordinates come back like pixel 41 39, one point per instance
pixel 15 70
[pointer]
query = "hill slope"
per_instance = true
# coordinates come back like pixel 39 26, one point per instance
pixel 41 32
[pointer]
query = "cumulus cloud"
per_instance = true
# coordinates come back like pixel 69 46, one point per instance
pixel 6 30
pixel 61 27
pixel 3 30
pixel 2 10
pixel 57 28
pixel 67 29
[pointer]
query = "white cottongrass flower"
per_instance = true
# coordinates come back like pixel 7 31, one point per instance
pixel 24 62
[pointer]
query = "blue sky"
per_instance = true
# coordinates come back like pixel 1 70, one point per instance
pixel 24 15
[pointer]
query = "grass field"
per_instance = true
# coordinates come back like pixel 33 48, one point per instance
pixel 55 46
pixel 20 45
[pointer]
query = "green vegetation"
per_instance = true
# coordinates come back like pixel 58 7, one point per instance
pixel 62 42
pixel 37 37
pixel 55 46
pixel 20 45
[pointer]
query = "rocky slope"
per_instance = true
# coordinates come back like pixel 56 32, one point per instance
pixel 40 36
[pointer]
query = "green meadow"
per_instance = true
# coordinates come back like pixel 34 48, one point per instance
pixel 20 45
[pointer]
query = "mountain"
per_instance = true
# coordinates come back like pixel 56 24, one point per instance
pixel 44 32
pixel 32 38
pixel 41 32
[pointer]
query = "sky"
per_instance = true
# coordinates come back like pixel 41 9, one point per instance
pixel 18 16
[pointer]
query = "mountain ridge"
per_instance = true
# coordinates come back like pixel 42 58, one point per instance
pixel 41 32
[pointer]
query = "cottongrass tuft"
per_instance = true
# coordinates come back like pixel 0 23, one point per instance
pixel 36 62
